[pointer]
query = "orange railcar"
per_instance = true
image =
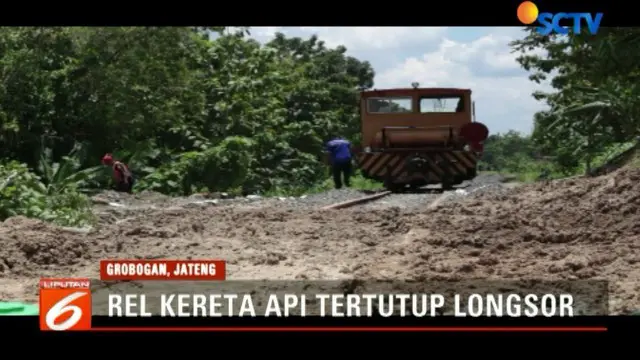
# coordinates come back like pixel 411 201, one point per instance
pixel 419 136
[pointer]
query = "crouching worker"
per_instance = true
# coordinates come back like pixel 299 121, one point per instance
pixel 121 174
pixel 339 151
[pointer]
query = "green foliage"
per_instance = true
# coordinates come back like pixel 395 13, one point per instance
pixel 67 175
pixel 224 166
pixel 188 109
pixel 24 193
pixel 596 99
pixel 515 154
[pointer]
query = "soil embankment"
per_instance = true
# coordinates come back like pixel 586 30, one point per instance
pixel 582 228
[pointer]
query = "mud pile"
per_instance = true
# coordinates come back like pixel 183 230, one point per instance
pixel 571 229
pixel 30 246
pixel 560 230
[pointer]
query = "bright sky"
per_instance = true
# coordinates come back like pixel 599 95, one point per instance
pixel 478 58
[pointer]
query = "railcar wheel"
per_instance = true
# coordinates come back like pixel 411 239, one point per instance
pixel 395 188
pixel 447 185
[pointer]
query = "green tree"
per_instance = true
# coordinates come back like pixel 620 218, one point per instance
pixel 187 110
pixel 595 101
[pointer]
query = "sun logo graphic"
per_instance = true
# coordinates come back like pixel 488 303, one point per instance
pixel 528 14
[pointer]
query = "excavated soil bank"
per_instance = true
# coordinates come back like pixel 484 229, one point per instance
pixel 561 230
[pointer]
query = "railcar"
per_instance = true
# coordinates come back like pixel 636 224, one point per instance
pixel 414 137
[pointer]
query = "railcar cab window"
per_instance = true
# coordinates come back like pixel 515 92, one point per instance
pixel 441 104
pixel 388 105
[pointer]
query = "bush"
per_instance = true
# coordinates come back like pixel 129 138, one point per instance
pixel 23 193
pixel 219 168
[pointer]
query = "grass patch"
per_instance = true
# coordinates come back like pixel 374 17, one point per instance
pixel 634 161
pixel 358 182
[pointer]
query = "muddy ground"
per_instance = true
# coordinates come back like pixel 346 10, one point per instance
pixel 568 229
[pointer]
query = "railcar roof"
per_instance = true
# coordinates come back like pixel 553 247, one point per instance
pixel 412 91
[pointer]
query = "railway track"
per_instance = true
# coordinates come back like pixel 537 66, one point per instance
pixel 428 190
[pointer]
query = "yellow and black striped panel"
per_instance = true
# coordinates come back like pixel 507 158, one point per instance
pixel 451 166
pixel 379 165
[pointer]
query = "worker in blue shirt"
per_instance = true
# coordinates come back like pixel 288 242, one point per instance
pixel 339 151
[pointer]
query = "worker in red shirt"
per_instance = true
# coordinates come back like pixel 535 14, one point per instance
pixel 121 174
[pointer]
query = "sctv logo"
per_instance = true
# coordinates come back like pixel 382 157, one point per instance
pixel 528 13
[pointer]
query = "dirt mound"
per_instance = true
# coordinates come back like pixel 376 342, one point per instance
pixel 561 230
pixel 32 247
pixel 141 198
pixel 585 228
